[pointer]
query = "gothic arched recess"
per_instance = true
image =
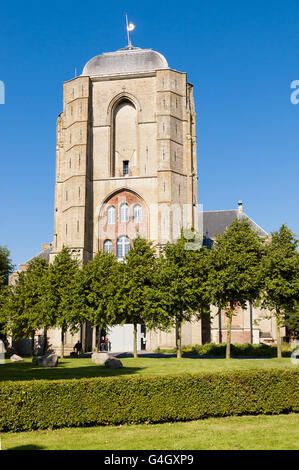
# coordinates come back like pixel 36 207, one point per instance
pixel 124 138
pixel 130 217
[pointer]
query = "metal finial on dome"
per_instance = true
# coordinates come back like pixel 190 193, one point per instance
pixel 130 28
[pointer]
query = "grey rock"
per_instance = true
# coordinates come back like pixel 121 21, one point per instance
pixel 16 358
pixel 100 357
pixel 113 363
pixel 46 361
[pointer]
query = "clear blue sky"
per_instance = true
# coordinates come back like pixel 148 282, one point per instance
pixel 241 57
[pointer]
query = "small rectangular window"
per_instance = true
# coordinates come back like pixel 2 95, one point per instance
pixel 125 167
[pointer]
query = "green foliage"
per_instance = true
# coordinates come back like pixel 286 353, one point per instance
pixel 179 288
pixel 237 350
pixel 291 320
pixel 96 288
pixel 134 280
pixel 61 295
pixel 233 276
pixel 6 266
pixel 279 273
pixel 86 402
pixel 4 295
pixel 23 308
pixel 60 292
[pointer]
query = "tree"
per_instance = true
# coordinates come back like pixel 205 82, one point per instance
pixel 24 309
pixel 4 296
pixel 6 266
pixel 279 273
pixel 233 276
pixel 133 282
pixel 179 290
pixel 96 290
pixel 60 293
pixel 291 321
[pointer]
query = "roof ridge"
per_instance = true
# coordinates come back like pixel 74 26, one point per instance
pixel 224 210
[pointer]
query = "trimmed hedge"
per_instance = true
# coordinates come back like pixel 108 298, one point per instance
pixel 116 400
pixel 237 350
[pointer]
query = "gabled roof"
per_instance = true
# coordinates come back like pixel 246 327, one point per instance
pixel 44 254
pixel 215 222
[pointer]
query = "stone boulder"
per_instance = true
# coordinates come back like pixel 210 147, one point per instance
pixel 16 358
pixel 113 363
pixel 100 357
pixel 50 360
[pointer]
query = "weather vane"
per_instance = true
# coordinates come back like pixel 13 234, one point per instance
pixel 130 28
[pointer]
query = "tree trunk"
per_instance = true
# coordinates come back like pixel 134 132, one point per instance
pixel 45 348
pixel 135 341
pixel 62 343
pixel 228 333
pixel 278 336
pixel 178 340
pixel 32 343
pixel 83 331
pixel 98 338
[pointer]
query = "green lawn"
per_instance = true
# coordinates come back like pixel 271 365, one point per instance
pixel 241 432
pixel 246 432
pixel 80 368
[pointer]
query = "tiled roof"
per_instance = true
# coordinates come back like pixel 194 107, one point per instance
pixel 44 254
pixel 215 222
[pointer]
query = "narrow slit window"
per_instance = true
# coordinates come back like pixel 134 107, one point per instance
pixel 125 167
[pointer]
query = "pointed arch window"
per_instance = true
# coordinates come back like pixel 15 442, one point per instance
pixel 123 247
pixel 111 215
pixel 124 212
pixel 137 214
pixel 108 246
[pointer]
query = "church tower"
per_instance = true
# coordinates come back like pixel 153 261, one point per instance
pixel 126 155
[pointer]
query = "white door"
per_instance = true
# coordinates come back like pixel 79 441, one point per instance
pixel 121 338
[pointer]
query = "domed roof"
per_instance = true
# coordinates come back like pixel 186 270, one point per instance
pixel 125 60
